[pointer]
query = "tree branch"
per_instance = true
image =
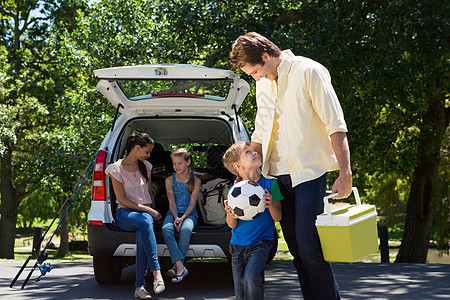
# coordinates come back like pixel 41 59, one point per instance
pixel 291 16
pixel 21 193
pixel 38 68
pixel 212 59
pixel 5 12
pixel 26 22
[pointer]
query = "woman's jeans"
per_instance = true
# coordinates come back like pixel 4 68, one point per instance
pixel 146 249
pixel 247 263
pixel 300 207
pixel 178 250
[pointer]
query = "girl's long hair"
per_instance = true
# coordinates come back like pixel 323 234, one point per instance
pixel 141 139
pixel 186 155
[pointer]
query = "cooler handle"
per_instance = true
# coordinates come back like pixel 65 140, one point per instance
pixel 327 204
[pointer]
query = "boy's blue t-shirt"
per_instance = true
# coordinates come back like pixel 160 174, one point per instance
pixel 250 232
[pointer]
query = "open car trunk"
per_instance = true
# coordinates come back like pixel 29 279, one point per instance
pixel 206 137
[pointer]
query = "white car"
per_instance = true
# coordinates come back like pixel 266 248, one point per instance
pixel 177 105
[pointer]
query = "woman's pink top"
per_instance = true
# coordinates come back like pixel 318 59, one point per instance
pixel 134 184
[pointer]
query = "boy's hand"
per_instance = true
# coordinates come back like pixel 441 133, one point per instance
pixel 267 199
pixel 229 210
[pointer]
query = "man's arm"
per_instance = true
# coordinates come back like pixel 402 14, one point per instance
pixel 343 184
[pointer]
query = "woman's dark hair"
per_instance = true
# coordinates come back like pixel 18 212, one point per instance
pixel 141 139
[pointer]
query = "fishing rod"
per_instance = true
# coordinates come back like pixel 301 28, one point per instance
pixel 47 267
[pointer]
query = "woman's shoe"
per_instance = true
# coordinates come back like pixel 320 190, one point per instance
pixel 158 286
pixel 142 294
pixel 171 273
pixel 178 278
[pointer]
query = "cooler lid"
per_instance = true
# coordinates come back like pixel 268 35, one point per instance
pixel 347 215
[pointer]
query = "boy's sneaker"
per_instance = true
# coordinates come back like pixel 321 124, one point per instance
pixel 142 294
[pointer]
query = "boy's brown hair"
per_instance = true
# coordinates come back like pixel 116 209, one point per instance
pixel 249 48
pixel 232 155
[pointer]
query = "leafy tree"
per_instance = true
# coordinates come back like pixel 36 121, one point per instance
pixel 389 62
pixel 44 105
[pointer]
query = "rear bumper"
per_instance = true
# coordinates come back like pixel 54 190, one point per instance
pixel 194 251
pixel 206 241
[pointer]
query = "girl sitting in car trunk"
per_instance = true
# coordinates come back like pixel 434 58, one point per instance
pixel 182 192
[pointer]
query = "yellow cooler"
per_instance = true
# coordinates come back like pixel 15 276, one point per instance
pixel 349 233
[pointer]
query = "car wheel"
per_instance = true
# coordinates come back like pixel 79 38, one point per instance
pixel 107 269
pixel 273 251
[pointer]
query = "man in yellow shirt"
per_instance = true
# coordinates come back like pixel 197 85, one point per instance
pixel 300 134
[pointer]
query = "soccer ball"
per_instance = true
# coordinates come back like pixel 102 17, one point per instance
pixel 246 199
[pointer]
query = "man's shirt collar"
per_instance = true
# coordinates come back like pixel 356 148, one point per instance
pixel 285 65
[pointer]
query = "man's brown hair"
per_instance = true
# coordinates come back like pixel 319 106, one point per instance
pixel 232 155
pixel 249 48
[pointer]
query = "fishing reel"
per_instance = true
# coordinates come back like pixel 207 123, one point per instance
pixel 43 267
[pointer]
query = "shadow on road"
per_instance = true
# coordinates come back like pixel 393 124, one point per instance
pixel 368 281
pixel 213 280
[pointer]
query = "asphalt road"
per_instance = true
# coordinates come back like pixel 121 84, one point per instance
pixel 75 280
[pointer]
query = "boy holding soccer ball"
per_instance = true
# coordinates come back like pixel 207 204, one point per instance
pixel 251 240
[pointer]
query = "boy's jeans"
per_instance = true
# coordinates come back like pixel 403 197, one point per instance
pixel 146 252
pixel 178 250
pixel 248 263
pixel 300 208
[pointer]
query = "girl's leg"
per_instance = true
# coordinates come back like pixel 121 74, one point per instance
pixel 168 231
pixel 185 234
pixel 184 240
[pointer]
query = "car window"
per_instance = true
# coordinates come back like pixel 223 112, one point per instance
pixel 136 90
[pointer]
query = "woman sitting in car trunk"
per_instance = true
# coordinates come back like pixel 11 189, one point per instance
pixel 136 208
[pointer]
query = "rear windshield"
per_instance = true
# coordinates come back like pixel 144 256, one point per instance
pixel 204 89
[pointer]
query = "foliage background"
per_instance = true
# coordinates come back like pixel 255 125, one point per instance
pixel 388 61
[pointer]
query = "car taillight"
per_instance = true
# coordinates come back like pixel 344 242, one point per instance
pixel 95 223
pixel 98 185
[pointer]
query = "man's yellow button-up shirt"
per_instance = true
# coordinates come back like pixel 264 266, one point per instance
pixel 308 113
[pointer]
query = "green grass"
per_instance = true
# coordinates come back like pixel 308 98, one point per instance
pixel 25 239
pixel 52 255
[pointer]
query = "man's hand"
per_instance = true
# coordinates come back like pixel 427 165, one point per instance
pixel 342 186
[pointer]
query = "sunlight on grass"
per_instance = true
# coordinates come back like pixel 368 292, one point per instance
pixel 52 255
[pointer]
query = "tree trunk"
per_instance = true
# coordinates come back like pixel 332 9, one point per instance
pixel 8 209
pixel 422 197
pixel 64 234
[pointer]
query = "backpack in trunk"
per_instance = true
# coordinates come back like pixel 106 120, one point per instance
pixel 210 202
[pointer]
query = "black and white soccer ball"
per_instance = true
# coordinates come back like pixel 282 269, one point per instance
pixel 246 199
